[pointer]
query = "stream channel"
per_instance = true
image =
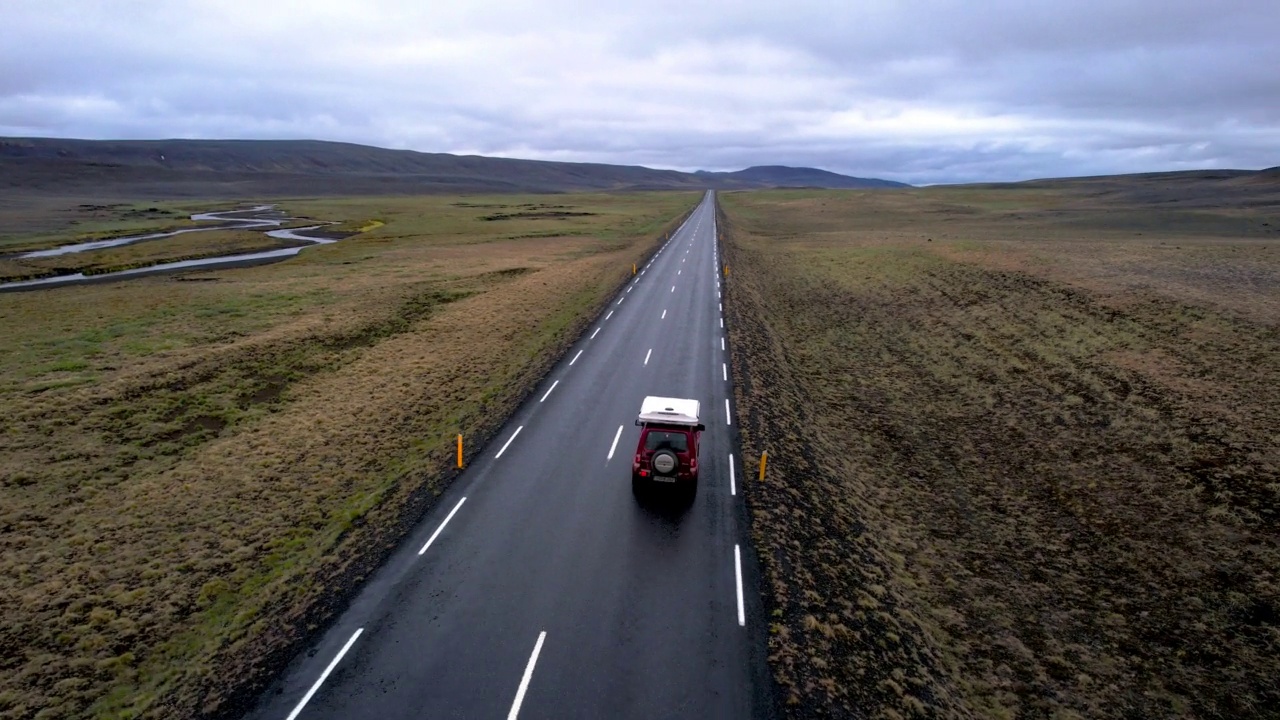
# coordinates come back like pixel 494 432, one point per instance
pixel 261 216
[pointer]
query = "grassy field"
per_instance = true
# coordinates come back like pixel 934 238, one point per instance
pixel 1024 449
pixel 195 469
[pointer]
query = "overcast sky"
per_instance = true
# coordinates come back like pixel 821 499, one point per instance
pixel 921 91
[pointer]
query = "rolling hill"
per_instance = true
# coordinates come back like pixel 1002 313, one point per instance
pixel 188 168
pixel 783 176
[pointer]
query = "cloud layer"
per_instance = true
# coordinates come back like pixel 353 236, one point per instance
pixel 938 91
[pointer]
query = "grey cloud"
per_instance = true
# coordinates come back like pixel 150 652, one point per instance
pixel 909 90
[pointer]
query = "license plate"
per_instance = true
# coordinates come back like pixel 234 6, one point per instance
pixel 663 478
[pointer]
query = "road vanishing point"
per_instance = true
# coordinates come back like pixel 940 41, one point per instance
pixel 538 586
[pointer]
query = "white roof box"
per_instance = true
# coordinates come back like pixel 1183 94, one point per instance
pixel 677 411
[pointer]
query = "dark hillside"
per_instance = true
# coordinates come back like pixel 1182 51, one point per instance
pixel 1187 189
pixel 183 168
pixel 783 176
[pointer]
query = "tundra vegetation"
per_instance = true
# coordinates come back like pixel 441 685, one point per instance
pixel 1024 445
pixel 194 469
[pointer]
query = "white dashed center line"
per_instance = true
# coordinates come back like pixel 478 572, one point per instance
pixel 646 356
pixel 528 674
pixel 664 315
pixel 614 446
pixel 517 432
pixel 673 288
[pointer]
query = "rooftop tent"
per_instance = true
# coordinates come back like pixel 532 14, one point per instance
pixel 674 411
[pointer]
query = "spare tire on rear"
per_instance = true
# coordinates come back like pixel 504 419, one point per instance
pixel 665 462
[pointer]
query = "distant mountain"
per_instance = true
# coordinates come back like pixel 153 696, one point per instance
pixel 783 176
pixel 241 168
pixel 1188 189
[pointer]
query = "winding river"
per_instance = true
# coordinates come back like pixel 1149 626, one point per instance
pixel 260 216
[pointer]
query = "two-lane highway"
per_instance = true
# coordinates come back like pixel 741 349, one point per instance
pixel 539 587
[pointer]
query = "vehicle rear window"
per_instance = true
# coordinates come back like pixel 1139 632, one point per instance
pixel 658 439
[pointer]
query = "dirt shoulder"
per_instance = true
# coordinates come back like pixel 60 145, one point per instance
pixel 1006 479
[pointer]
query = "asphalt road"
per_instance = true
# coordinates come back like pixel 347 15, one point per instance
pixel 538 586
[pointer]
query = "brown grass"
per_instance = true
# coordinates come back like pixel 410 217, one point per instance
pixel 1023 457
pixel 196 470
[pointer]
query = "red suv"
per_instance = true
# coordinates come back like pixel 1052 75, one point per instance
pixel 668 449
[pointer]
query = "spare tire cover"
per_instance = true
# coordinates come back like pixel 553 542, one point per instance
pixel 665 462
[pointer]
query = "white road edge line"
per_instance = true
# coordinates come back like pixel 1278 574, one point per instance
pixel 553 387
pixel 614 446
pixel 517 432
pixel 721 323
pixel 606 317
pixel 724 368
pixel 435 534
pixel 728 419
pixel 737 571
pixel 733 486
pixel 620 300
pixel 593 335
pixel 646 356
pixel 575 357
pixel 721 343
pixel 528 675
pixel 334 663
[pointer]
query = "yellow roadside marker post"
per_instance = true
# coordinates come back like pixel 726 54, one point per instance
pixel 633 268
pixel 459 450
pixel 764 458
